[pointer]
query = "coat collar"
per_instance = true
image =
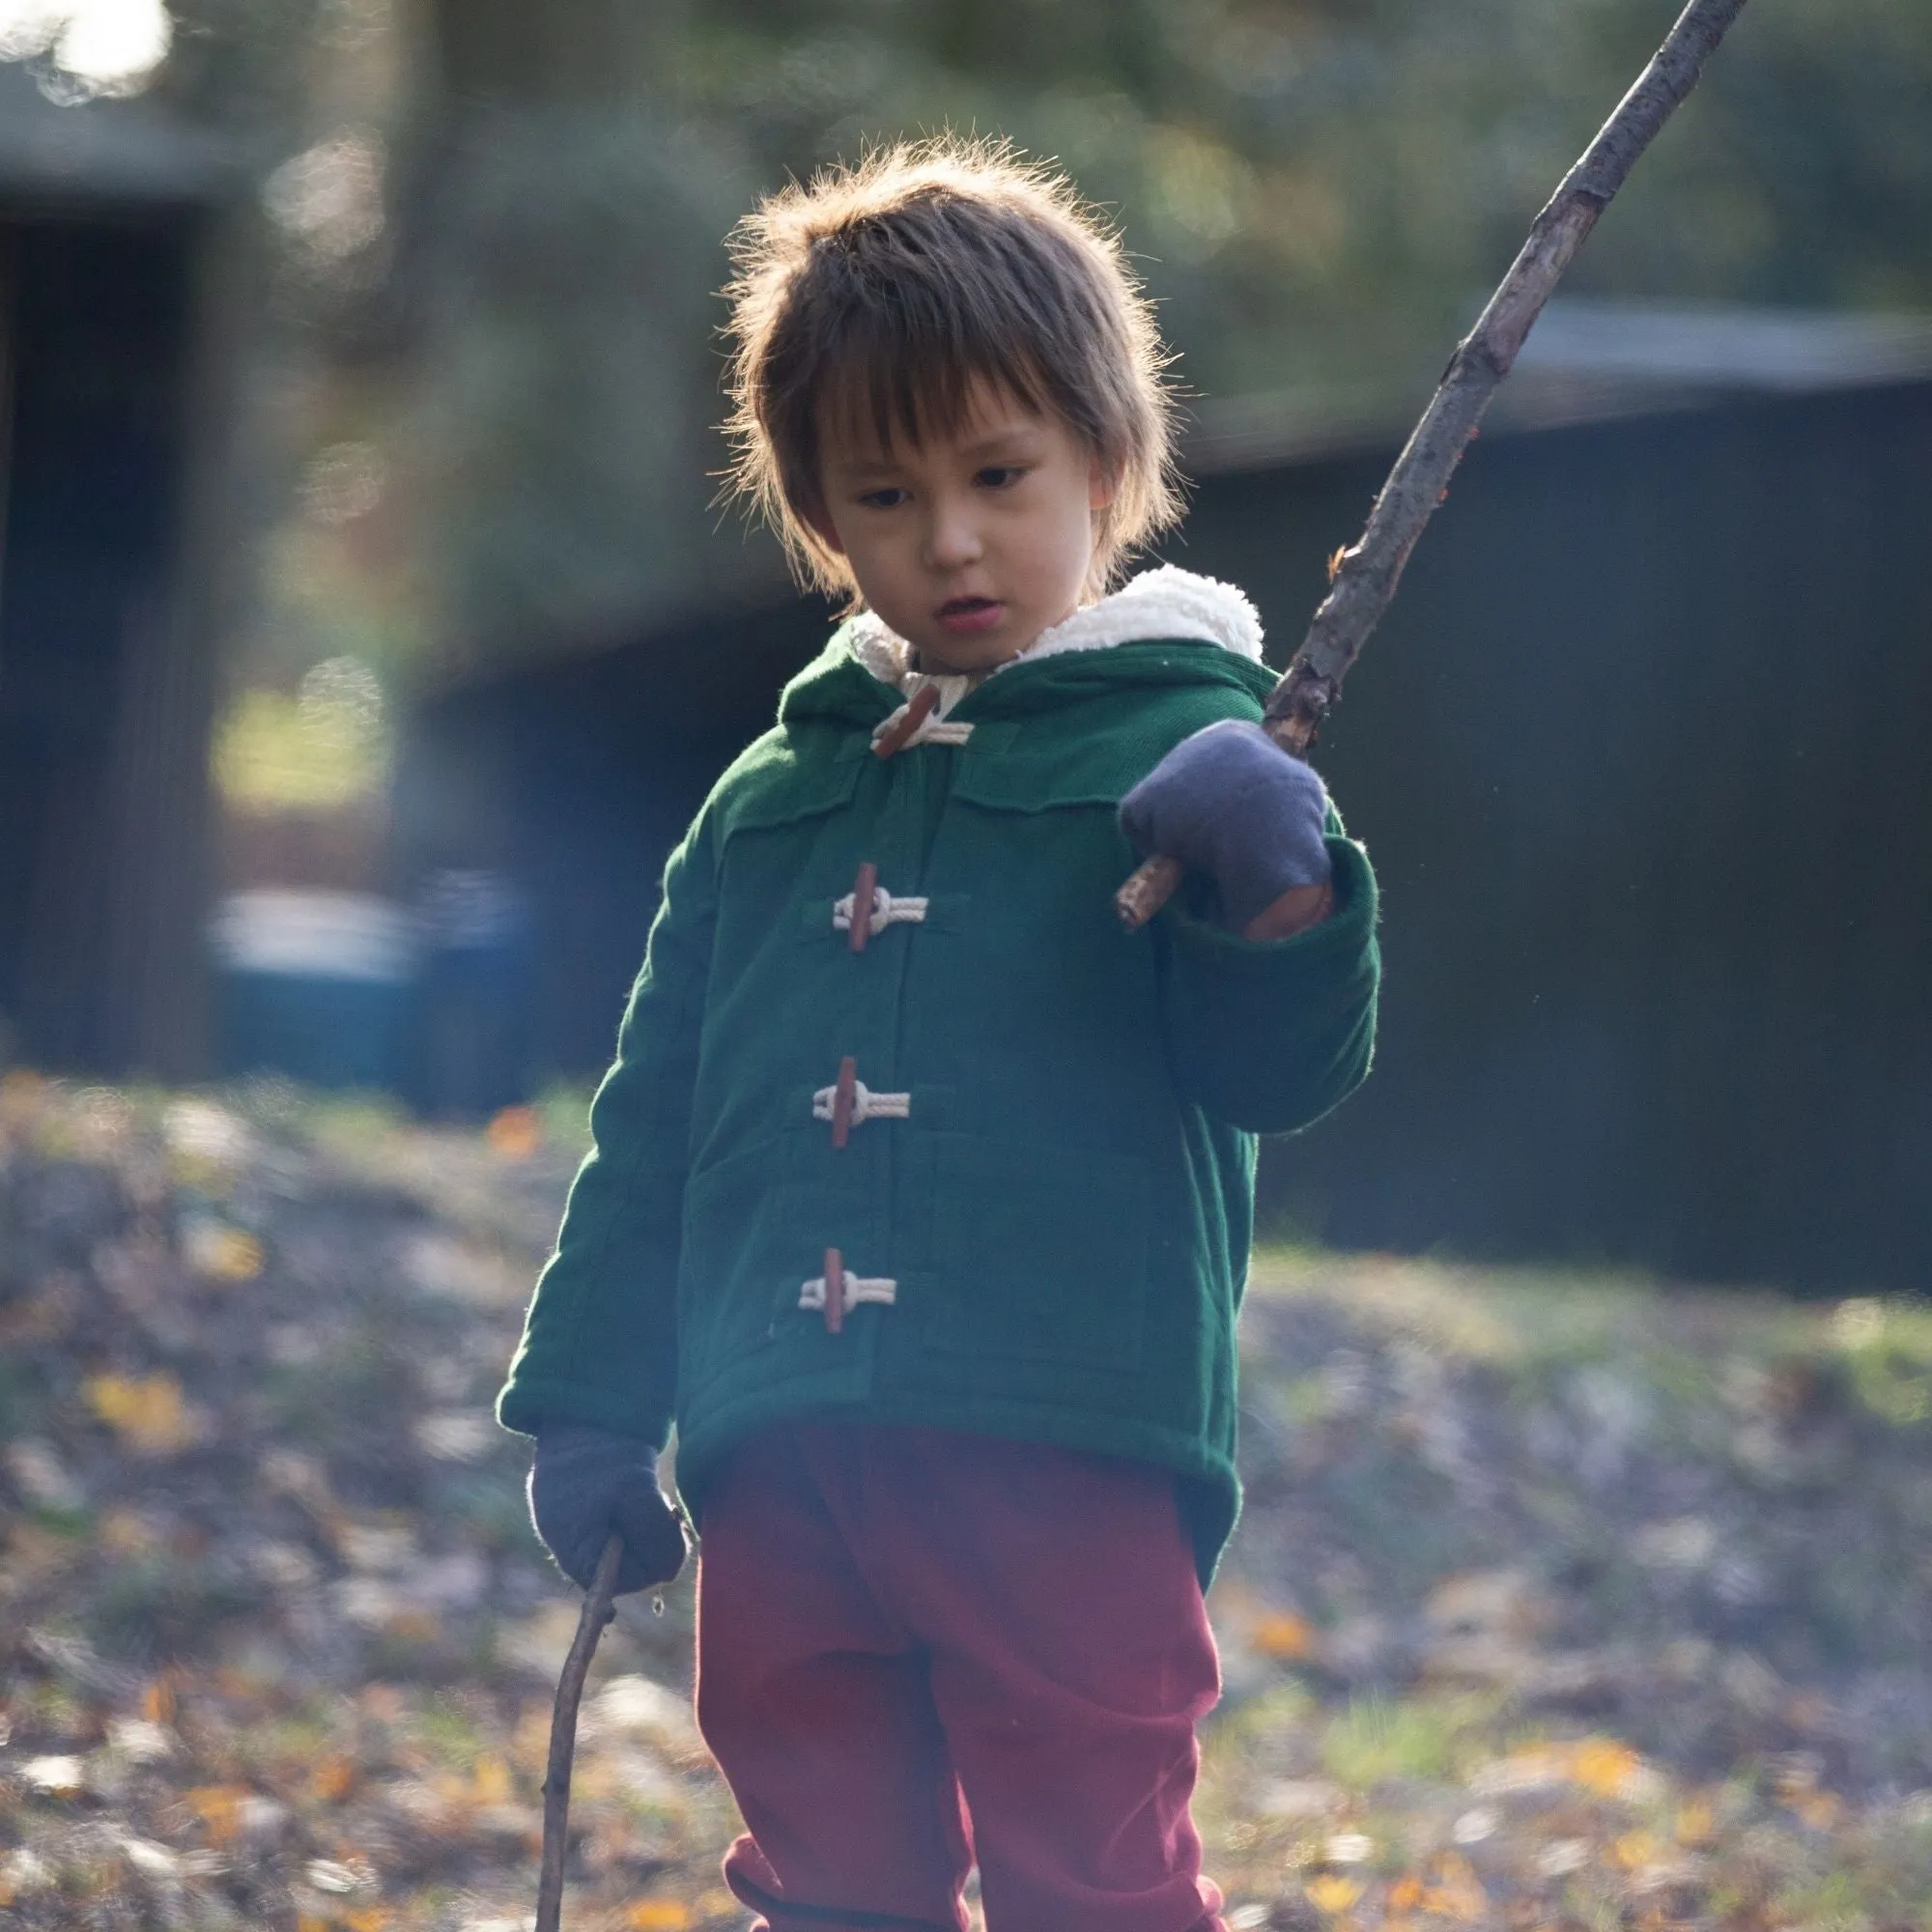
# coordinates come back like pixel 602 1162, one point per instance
pixel 1166 627
pixel 1164 603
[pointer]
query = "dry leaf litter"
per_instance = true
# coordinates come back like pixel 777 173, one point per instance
pixel 1560 1601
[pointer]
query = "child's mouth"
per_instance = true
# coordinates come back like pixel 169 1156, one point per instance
pixel 970 614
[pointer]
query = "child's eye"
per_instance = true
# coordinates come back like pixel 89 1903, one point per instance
pixel 1000 475
pixel 883 499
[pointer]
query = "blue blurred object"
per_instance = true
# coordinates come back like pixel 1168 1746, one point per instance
pixel 473 1028
pixel 315 984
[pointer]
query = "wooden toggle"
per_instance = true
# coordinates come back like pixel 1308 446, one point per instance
pixel 843 1095
pixel 865 890
pixel 921 706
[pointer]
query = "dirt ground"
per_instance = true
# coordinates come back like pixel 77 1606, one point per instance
pixel 1560 1601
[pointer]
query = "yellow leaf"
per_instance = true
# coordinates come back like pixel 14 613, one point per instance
pixel 334 1778
pixel 226 1254
pixel 1331 1893
pixel 1603 1765
pixel 1635 1849
pixel 1284 1634
pixel 147 1411
pixel 514 1133
pixel 307 1921
pixel 1404 1894
pixel 1457 1894
pixel 492 1785
pixel 158 1701
pixel 1695 1821
pixel 371 1919
pixel 659 1915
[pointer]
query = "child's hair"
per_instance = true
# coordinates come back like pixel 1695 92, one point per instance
pixel 891 286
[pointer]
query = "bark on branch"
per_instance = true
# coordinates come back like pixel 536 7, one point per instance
pixel 598 1610
pixel 1368 571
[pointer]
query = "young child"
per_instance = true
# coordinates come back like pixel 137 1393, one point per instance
pixel 921 1192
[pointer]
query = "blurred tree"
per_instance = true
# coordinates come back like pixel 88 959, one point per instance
pixel 498 225
pixel 508 52
pixel 1320 187
pixel 247 66
pixel 561 236
pixel 1316 191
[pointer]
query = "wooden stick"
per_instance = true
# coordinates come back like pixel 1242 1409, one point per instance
pixel 598 1610
pixel 1364 578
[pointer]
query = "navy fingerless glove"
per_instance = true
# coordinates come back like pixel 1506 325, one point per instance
pixel 1231 803
pixel 587 1481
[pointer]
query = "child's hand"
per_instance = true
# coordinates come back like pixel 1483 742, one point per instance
pixel 585 1483
pixel 1231 803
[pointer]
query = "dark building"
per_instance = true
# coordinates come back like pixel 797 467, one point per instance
pixel 572 776
pixel 117 306
pixel 1639 751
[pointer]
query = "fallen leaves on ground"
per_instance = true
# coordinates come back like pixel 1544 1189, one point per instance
pixel 1558 1602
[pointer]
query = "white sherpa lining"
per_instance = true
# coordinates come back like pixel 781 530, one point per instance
pixel 1163 603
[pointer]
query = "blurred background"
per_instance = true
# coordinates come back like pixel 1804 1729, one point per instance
pixel 367 634
pixel 368 631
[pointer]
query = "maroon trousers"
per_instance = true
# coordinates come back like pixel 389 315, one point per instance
pixel 915 1648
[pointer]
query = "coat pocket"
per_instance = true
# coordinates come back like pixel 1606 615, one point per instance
pixel 1091 771
pixel 1040 1252
pixel 737 1260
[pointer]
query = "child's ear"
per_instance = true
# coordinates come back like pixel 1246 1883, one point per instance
pixel 1103 483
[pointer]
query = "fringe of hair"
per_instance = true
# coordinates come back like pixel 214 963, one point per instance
pixel 892 284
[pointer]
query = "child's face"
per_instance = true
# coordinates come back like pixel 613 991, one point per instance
pixel 968 545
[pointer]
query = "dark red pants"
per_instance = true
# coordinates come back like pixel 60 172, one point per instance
pixel 915 1648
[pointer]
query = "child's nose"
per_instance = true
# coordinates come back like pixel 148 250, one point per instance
pixel 953 537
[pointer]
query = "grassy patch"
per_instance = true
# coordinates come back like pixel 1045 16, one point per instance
pixel 163 1608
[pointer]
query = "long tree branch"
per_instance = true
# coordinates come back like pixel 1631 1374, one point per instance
pixel 598 1610
pixel 1366 574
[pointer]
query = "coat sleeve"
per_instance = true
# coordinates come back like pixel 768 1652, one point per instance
pixel 600 1342
pixel 1269 1036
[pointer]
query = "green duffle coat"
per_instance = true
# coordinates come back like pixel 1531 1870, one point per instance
pixel 1044 1201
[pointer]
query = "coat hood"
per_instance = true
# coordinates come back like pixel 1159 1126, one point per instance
pixel 862 672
